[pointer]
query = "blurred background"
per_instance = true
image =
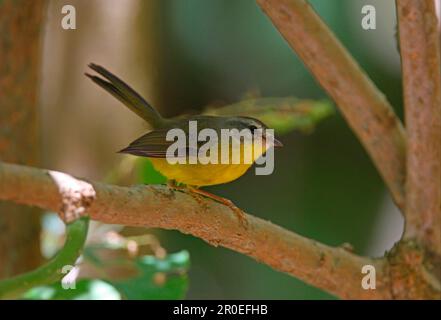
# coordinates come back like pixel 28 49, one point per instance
pixel 184 55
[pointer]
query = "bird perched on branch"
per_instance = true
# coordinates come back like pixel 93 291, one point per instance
pixel 155 145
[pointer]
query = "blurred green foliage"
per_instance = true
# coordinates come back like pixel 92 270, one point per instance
pixel 147 174
pixel 157 278
pixel 281 114
pixel 85 289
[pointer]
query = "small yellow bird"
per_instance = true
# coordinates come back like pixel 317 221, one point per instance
pixel 154 144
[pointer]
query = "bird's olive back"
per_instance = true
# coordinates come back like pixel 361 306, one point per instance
pixel 217 123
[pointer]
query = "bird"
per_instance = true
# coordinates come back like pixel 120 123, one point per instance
pixel 154 144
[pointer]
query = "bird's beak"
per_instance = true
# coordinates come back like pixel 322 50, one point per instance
pixel 276 143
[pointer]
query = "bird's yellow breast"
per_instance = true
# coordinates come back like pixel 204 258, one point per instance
pixel 209 174
pixel 200 174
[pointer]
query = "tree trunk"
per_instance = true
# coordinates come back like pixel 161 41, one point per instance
pixel 21 27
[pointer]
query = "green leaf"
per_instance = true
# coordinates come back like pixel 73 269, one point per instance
pixel 148 174
pixel 85 289
pixel 281 114
pixel 158 278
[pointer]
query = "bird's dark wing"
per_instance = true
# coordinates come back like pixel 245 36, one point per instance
pixel 155 145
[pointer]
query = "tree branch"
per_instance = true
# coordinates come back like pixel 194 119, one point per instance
pixel 332 269
pixel 365 108
pixel 420 55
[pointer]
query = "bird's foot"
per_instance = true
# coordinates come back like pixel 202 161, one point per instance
pixel 172 184
pixel 237 211
pixel 188 190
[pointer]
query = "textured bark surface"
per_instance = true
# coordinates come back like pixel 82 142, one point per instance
pixel 420 55
pixel 20 26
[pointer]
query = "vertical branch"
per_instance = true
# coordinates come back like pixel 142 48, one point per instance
pixel 365 108
pixel 420 54
pixel 20 25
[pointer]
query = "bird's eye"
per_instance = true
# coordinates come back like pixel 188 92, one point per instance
pixel 252 128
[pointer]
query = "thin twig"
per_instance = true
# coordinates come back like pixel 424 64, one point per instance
pixel 333 269
pixel 365 108
pixel 420 55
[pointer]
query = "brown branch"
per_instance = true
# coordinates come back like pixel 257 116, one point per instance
pixel 365 108
pixel 333 269
pixel 420 54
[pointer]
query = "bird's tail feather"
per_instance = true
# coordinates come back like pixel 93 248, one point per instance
pixel 124 93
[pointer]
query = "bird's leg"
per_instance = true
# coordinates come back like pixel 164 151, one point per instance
pixel 197 194
pixel 172 184
pixel 237 211
pixel 199 199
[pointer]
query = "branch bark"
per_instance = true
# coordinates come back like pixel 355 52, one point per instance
pixel 365 108
pixel 420 55
pixel 333 269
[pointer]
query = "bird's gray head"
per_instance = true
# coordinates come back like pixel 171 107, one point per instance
pixel 253 125
pixel 241 123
